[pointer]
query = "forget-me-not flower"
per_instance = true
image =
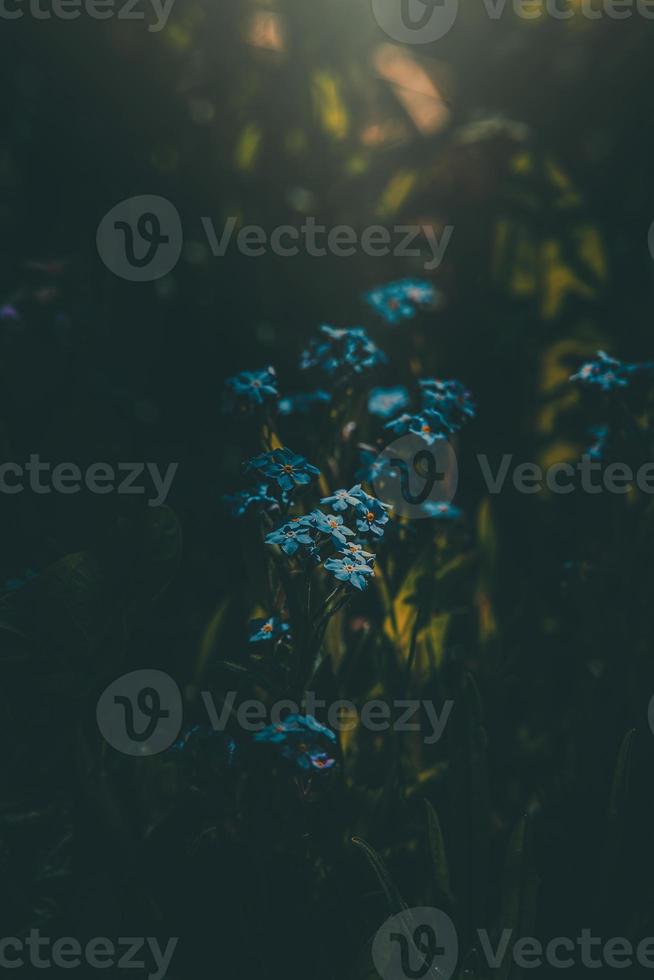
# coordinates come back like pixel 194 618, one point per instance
pixel 285 467
pixel 251 389
pixel 349 570
pixel 262 630
pixel 330 524
pixel 399 300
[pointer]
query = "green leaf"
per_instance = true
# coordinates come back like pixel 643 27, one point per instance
pixel 620 787
pixel 616 830
pixel 520 887
pixel 442 886
pixel 395 901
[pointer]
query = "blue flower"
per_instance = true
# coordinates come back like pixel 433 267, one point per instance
pixel 349 570
pixel 429 425
pixel 607 373
pixel 353 551
pixel 399 300
pixel 330 524
pixel 342 499
pixel 372 466
pixel 285 467
pixel 450 399
pixel 314 760
pixel 251 389
pixel 441 510
pixel 292 536
pixel 598 448
pixel 303 402
pixel 263 630
pixel 367 499
pixel 345 351
pixel 258 497
pixel 385 402
pixel 371 516
pixel 302 740
pixel 313 725
pixel 274 734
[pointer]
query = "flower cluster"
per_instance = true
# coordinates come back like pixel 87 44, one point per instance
pixel 399 300
pixel 446 406
pixel 342 352
pixel 450 399
pixel 305 537
pixel 283 471
pixel 303 741
pixel 323 550
pixel 610 376
pixel 250 390
pixel 607 373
